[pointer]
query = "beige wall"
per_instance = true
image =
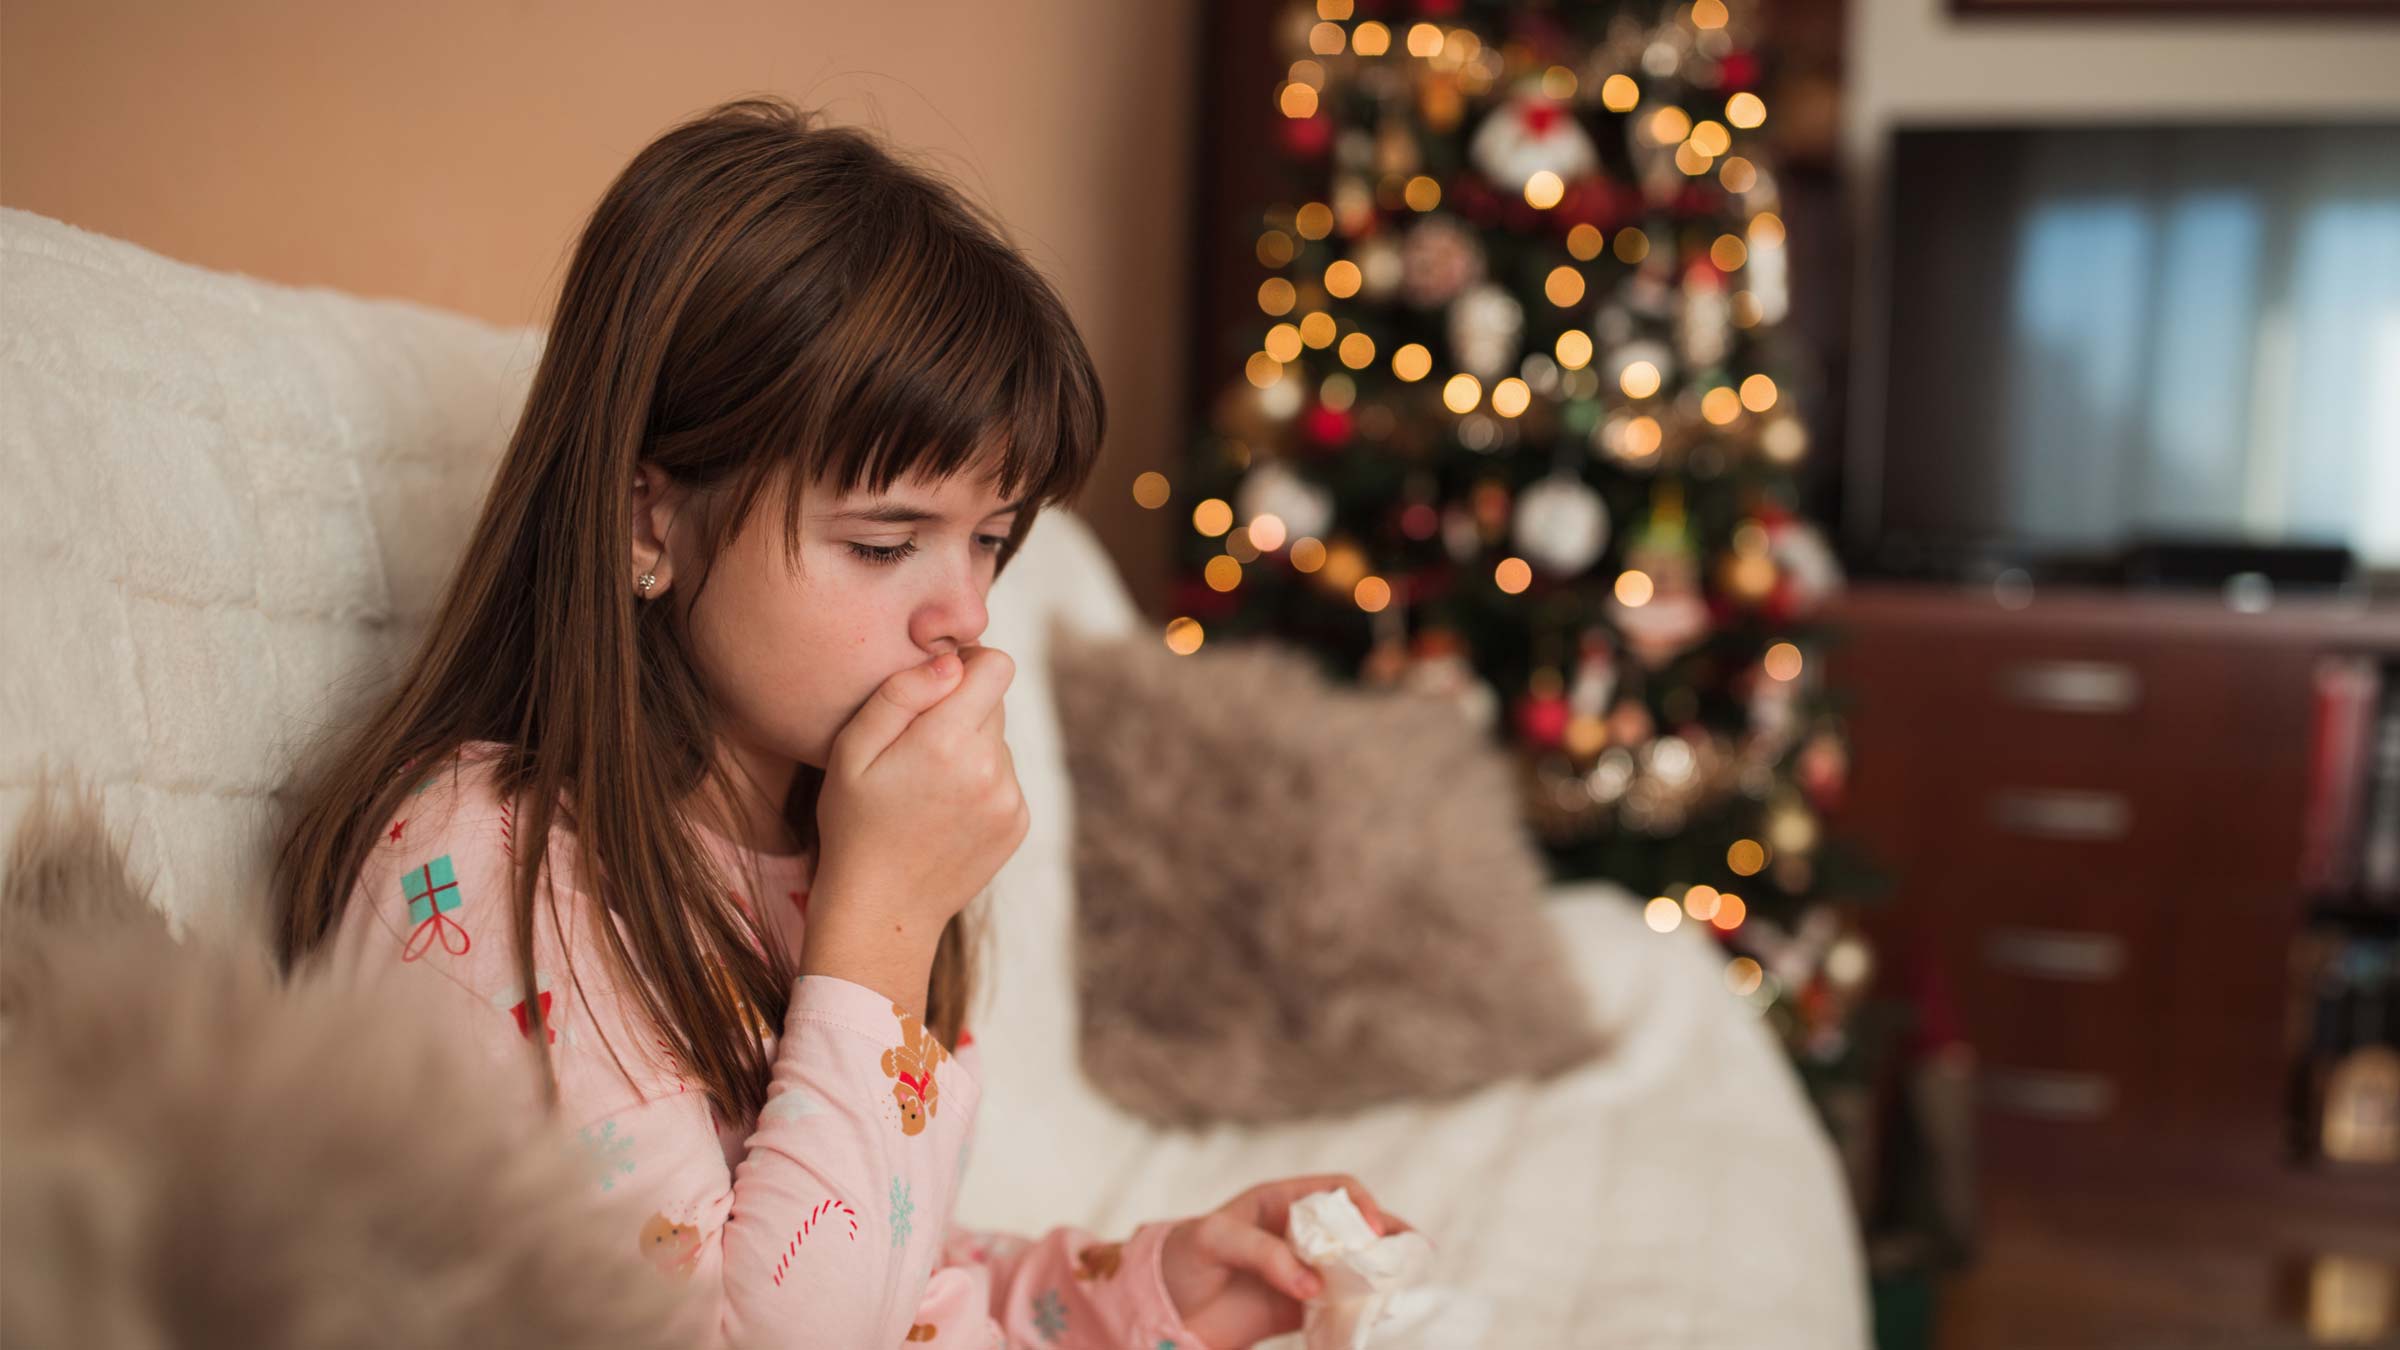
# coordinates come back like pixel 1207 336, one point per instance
pixel 447 150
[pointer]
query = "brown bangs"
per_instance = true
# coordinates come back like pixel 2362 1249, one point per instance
pixel 942 352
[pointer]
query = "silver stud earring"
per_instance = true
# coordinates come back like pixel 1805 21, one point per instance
pixel 648 580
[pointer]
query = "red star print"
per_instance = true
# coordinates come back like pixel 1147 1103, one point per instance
pixel 397 827
pixel 800 902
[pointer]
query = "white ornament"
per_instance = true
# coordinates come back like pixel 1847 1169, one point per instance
pixel 1380 267
pixel 1561 525
pixel 1706 329
pixel 1642 349
pixel 1484 324
pixel 1528 135
pixel 1274 489
pixel 1802 554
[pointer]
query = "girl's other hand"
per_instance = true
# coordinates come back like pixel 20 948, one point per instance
pixel 1232 1272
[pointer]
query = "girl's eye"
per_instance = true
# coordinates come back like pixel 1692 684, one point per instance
pixel 892 553
pixel 884 553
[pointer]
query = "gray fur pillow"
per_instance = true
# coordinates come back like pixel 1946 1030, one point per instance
pixel 1296 899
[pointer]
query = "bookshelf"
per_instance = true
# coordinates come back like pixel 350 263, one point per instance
pixel 2344 989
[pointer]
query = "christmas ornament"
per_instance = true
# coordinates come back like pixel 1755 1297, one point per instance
pixel 1704 328
pixel 1630 724
pixel 1438 666
pixel 1272 488
pixel 1542 711
pixel 1484 323
pixel 1665 624
pixel 1380 268
pixel 1561 524
pixel 1642 352
pixel 1440 258
pixel 1595 681
pixel 1791 828
pixel 1326 427
pixel 1532 134
pixel 1808 572
pixel 1774 715
pixel 1823 770
pixel 1462 538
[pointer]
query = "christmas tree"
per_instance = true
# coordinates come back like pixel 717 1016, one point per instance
pixel 1509 426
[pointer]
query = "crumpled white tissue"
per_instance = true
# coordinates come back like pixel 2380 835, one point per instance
pixel 1374 1296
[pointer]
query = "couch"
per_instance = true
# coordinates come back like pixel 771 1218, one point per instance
pixel 228 507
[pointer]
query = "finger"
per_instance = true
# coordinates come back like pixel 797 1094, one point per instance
pixel 989 671
pixel 1249 1247
pixel 1276 1197
pixel 896 704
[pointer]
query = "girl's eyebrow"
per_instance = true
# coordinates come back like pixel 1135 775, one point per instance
pixel 901 513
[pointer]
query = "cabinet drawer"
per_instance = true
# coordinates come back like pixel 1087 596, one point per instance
pixel 2057 1019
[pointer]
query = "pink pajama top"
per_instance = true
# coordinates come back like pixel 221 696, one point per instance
pixel 825 1221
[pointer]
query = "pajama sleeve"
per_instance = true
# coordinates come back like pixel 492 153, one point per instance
pixel 1067 1289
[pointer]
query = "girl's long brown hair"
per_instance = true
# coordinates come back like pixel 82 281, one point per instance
pixel 760 299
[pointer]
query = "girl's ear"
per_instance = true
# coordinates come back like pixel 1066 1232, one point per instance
pixel 656 499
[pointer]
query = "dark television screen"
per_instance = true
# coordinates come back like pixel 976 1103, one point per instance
pixel 2092 339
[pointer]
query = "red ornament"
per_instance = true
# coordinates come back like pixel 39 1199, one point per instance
pixel 1542 720
pixel 1738 71
pixel 1326 428
pixel 1307 137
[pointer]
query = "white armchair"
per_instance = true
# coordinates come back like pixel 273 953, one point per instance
pixel 230 507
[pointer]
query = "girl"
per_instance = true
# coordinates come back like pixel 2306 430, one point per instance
pixel 677 809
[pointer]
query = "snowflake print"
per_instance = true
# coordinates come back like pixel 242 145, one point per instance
pixel 609 1153
pixel 1050 1315
pixel 904 1209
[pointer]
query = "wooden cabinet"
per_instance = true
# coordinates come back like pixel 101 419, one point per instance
pixel 2093 806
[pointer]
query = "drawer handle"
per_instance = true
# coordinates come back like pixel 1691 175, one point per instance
pixel 2073 686
pixel 2062 813
pixel 2055 954
pixel 2049 1096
